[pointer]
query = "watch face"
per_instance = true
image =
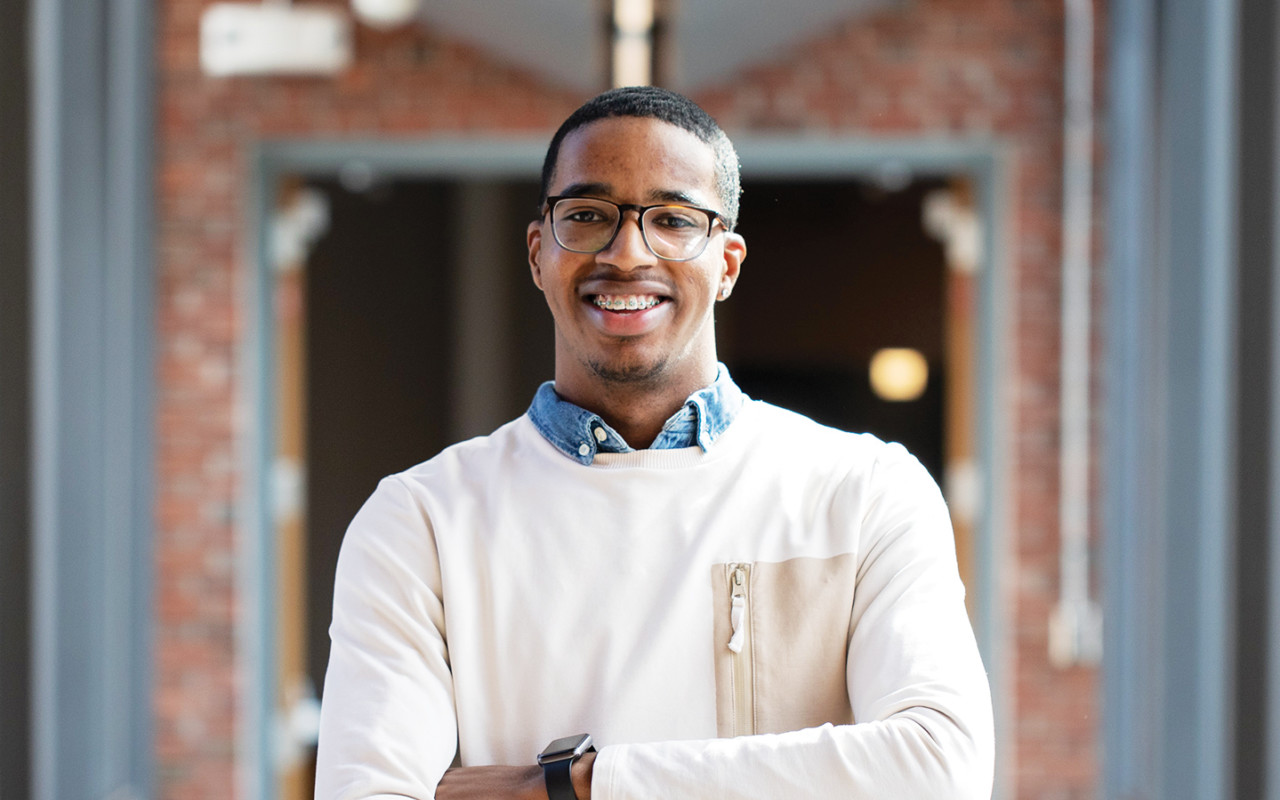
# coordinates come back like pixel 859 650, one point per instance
pixel 567 747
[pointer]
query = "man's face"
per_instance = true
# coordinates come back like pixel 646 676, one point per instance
pixel 632 160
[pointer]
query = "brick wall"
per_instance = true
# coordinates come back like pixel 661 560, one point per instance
pixel 933 67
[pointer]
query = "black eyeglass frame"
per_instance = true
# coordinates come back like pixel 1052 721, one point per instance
pixel 713 216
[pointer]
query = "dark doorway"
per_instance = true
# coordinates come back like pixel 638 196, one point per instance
pixel 836 271
pixel 381 332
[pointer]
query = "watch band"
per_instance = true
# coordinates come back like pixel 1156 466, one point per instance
pixel 559 783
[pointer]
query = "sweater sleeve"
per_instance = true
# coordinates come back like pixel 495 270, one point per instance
pixel 387 722
pixel 921 701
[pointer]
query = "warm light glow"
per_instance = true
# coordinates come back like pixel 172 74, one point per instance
pixel 899 374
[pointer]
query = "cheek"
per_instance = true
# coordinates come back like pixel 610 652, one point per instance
pixel 702 283
pixel 557 291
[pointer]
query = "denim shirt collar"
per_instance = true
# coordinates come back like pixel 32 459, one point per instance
pixel 580 434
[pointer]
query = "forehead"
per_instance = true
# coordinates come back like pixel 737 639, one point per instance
pixel 632 159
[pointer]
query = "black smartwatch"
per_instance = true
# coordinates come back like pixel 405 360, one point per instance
pixel 556 761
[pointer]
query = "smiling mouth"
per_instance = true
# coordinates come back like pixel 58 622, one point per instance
pixel 626 302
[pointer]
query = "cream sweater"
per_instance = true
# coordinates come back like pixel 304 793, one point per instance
pixel 778 617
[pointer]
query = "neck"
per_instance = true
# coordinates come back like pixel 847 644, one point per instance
pixel 636 412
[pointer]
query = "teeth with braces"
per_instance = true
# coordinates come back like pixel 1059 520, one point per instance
pixel 625 302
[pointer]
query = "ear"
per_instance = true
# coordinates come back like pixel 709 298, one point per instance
pixel 533 237
pixel 735 252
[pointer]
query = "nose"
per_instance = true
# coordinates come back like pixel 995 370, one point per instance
pixel 627 250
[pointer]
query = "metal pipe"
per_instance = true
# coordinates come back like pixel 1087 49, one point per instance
pixel 1075 631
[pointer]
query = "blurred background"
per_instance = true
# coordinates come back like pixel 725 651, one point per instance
pixel 256 255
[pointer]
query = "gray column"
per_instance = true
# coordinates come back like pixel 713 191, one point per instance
pixel 1130 533
pixel 1171 408
pixel 91 391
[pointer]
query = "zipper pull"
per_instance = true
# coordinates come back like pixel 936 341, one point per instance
pixel 738 608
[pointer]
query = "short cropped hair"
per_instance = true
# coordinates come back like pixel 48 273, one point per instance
pixel 652 102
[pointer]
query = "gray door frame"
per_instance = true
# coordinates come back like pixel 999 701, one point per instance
pixel 91 386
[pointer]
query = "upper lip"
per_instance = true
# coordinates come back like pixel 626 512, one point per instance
pixel 613 286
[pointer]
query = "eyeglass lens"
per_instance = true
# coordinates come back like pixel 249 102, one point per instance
pixel 587 225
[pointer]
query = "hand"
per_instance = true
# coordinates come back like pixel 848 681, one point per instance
pixel 510 783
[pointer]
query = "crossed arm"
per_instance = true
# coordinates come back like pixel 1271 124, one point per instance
pixel 509 783
pixel 925 714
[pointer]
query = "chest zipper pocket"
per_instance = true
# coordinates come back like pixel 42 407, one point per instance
pixel 739 645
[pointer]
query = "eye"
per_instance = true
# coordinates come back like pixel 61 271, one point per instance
pixel 584 213
pixel 677 219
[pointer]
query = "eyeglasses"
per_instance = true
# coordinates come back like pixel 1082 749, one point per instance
pixel 671 232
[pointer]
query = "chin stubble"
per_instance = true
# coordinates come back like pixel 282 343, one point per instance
pixel 631 375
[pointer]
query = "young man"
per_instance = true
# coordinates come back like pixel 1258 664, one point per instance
pixel 734 601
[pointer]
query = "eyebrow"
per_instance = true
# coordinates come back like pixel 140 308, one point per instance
pixel 605 190
pixel 586 190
